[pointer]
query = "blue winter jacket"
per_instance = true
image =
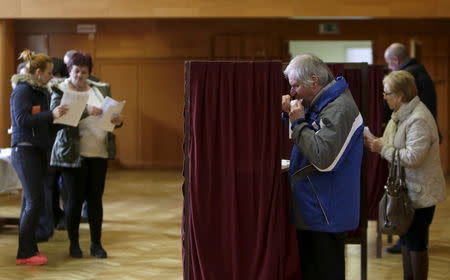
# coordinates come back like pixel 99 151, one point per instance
pixel 30 114
pixel 325 162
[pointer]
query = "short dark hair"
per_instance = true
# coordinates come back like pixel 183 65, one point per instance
pixel 59 68
pixel 80 58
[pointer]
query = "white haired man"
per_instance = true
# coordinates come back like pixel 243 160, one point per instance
pixel 325 166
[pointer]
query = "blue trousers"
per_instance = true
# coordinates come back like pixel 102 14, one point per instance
pixel 30 164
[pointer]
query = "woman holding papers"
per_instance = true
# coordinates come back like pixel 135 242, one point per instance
pixel 30 141
pixel 82 149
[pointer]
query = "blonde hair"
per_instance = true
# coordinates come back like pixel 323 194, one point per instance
pixel 35 61
pixel 401 83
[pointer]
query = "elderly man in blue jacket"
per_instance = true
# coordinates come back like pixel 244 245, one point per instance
pixel 325 166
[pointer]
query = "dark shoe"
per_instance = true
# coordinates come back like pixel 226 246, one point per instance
pixel 98 252
pixel 75 251
pixel 394 249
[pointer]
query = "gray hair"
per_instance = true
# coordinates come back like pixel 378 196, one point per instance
pixel 304 66
pixel 68 55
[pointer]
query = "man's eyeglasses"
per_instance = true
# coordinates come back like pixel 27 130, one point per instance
pixel 387 93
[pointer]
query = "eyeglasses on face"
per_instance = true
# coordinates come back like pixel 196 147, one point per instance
pixel 387 93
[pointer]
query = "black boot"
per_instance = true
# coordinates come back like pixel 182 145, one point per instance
pixel 98 251
pixel 394 249
pixel 419 263
pixel 407 269
pixel 75 250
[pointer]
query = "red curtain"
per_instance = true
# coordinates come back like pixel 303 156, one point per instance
pixel 235 211
pixel 353 76
pixel 235 222
pixel 376 166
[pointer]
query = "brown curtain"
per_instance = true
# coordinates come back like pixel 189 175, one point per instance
pixel 235 211
pixel 376 166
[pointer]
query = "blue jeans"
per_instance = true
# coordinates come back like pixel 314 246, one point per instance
pixel 30 164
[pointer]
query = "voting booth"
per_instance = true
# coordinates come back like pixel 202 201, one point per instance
pixel 235 214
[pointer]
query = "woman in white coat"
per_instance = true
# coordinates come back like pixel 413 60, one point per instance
pixel 413 131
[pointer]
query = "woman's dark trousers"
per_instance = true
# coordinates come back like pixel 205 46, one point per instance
pixel 86 182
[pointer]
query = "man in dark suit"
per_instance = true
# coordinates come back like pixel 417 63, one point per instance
pixel 397 58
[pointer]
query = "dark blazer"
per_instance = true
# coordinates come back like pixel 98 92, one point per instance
pixel 425 86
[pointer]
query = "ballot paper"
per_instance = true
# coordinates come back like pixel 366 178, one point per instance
pixel 368 133
pixel 110 108
pixel 95 98
pixel 285 164
pixel 76 102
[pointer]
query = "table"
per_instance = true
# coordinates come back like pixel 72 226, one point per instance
pixel 9 182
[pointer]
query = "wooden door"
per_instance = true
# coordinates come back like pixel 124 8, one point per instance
pixel 60 43
pixel 415 49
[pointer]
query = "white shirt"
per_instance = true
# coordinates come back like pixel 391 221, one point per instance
pixel 92 138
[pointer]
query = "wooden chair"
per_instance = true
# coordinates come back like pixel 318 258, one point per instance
pixel 379 242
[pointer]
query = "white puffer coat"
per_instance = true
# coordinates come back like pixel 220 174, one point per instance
pixel 413 130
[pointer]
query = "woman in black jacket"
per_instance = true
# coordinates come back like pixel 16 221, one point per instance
pixel 30 141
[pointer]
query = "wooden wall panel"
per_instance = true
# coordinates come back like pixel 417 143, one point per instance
pixel 123 78
pixel 442 44
pixel 146 44
pixel 161 91
pixel 123 45
pixel 152 135
pixel 7 61
pixel 60 43
pixel 35 42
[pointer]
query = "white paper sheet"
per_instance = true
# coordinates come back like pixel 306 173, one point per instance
pixel 76 102
pixel 110 108
pixel 368 133
pixel 95 98
pixel 285 164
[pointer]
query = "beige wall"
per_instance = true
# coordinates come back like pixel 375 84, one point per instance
pixel 222 8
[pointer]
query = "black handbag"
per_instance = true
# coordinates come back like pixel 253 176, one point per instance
pixel 395 211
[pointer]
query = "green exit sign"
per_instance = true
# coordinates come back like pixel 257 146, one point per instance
pixel 329 28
